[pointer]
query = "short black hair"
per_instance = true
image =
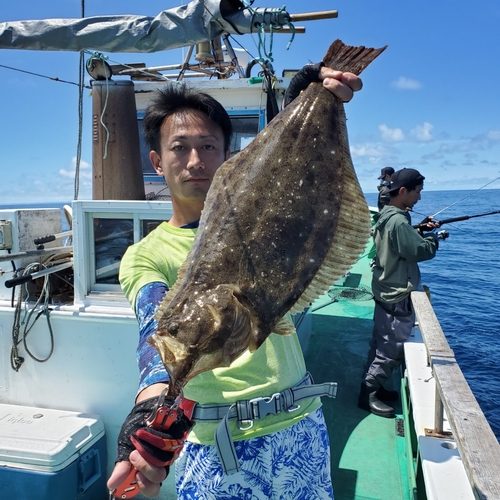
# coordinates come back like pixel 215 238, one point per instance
pixel 178 98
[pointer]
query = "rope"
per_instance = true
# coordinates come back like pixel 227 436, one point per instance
pixel 103 58
pixel 272 26
pixel 262 42
pixel 292 29
pixel 80 126
pixel 261 30
pixel 16 360
pixel 80 118
pixel 46 312
pixel 55 79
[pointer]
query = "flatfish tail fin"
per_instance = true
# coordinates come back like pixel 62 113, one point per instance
pixel 344 57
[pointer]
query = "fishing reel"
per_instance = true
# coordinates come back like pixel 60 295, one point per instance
pixel 443 234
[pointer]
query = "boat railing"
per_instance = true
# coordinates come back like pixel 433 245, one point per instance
pixel 476 442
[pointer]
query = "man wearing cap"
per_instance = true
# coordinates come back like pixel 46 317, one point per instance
pixel 399 247
pixel 383 187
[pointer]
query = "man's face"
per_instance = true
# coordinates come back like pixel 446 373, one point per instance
pixel 192 149
pixel 410 198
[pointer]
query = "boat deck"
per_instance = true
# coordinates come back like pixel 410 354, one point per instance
pixel 336 352
pixel 335 337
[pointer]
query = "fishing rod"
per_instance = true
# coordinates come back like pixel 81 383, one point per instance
pixel 455 219
pixel 25 278
pixel 462 199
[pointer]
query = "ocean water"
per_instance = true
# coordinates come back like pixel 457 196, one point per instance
pixel 464 279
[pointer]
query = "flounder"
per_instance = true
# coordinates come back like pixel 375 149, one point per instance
pixel 282 221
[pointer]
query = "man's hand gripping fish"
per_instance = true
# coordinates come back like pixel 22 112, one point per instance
pixel 282 221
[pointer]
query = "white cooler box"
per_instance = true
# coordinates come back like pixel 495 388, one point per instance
pixel 51 454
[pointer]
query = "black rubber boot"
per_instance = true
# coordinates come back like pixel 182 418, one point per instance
pixel 368 401
pixel 384 395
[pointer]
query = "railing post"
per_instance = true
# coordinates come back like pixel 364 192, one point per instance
pixel 438 413
pixel 438 431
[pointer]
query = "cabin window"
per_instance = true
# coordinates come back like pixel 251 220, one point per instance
pixel 245 129
pixel 148 226
pixel 147 168
pixel 111 238
pixel 103 230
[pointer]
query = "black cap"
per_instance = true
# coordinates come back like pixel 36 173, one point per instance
pixel 386 171
pixel 406 177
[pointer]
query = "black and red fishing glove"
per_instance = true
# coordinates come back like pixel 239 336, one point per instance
pixel 308 74
pixel 157 447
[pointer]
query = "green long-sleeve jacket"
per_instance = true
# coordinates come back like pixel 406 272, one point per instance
pixel 399 247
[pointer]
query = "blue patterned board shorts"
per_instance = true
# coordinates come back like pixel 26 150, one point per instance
pixel 292 464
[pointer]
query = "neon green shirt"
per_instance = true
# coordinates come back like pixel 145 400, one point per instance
pixel 277 365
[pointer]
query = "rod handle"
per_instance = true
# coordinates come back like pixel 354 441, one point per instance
pixel 52 237
pixel 44 239
pixel 18 281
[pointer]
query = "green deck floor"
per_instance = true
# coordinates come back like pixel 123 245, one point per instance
pixel 368 457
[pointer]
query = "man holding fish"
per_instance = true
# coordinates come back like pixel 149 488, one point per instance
pixel 189 134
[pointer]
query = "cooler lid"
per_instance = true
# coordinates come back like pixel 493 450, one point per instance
pixel 47 438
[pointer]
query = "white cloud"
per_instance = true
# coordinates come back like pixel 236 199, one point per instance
pixel 406 83
pixel 391 134
pixel 422 132
pixel 66 173
pixel 85 170
pixel 368 150
pixel 493 135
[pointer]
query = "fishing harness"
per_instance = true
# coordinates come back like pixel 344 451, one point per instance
pixel 247 411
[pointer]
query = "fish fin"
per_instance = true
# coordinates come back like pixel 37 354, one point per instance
pixel 284 326
pixel 349 242
pixel 347 58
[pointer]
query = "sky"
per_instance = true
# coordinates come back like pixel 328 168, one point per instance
pixel 430 101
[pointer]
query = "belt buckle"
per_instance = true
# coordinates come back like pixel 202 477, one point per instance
pixel 260 407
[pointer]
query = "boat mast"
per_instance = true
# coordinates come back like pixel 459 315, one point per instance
pixel 116 162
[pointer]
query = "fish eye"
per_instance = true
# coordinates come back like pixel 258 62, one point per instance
pixel 173 328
